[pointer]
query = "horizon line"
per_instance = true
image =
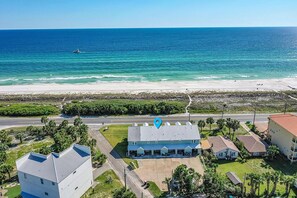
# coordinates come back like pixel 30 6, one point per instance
pixel 169 27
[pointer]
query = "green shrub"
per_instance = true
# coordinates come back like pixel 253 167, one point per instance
pixel 123 107
pixel 28 110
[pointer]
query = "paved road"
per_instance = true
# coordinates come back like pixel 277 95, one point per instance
pixel 118 165
pixel 4 121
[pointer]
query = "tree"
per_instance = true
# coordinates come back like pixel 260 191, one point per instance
pixel 272 152
pixel 289 182
pixel 45 150
pixel 187 179
pixel 210 121
pixel 44 120
pixel 6 169
pixel 254 182
pixel 99 158
pixel 229 124
pixel 201 124
pixel 214 185
pixel 267 177
pixel 5 138
pixel 123 193
pixel 77 122
pixel 3 147
pixel 2 178
pixel 235 127
pixel 3 156
pixel 167 181
pixel 20 136
pixel 221 123
pixel 276 177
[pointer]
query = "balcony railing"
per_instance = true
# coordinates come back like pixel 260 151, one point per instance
pixel 293 149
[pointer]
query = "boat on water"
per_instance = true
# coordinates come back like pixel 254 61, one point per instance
pixel 76 51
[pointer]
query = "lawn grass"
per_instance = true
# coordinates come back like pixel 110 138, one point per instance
pixel 13 192
pixel 103 188
pixel 155 190
pixel 206 131
pixel 14 153
pixel 117 136
pixel 258 165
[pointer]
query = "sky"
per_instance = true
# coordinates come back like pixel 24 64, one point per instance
pixel 56 14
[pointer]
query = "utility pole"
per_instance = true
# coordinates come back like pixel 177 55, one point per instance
pixel 125 178
pixel 224 106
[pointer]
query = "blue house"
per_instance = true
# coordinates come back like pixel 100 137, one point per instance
pixel 168 140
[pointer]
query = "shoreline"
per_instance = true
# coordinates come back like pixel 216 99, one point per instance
pixel 283 84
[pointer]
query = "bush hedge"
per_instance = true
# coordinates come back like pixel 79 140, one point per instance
pixel 27 110
pixel 123 107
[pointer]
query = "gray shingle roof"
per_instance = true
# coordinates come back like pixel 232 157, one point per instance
pixel 56 166
pixel 164 133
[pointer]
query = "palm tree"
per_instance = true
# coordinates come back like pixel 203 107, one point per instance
pixel 276 177
pixel 6 169
pixel 229 124
pixel 77 122
pixel 267 176
pixel 20 136
pixel 210 121
pixel 235 126
pixel 201 124
pixel 289 182
pixel 221 123
pixel 167 181
pixel 44 120
pixel 272 151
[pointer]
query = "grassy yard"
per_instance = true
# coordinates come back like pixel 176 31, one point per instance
pixel 103 188
pixel 14 153
pixel 13 192
pixel 117 136
pixel 258 166
pixel 155 190
pixel 206 131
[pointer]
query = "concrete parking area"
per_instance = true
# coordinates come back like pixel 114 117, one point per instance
pixel 157 170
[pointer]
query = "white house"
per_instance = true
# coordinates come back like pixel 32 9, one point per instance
pixel 223 148
pixel 57 175
pixel 164 141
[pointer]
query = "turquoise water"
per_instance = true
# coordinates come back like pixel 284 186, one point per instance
pixel 177 54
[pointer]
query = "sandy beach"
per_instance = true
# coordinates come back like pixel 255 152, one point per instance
pixel 137 87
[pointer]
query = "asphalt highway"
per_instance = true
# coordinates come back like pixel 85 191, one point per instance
pixel 8 121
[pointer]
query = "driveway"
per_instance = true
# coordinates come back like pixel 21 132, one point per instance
pixel 157 169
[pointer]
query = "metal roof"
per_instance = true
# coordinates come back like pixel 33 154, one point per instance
pixel 164 133
pixel 54 167
pixel 233 178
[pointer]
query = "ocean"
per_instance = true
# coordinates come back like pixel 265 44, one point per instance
pixel 140 55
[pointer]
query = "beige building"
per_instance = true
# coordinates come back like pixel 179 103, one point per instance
pixel 282 130
pixel 253 144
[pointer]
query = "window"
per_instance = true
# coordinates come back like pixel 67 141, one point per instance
pixel 25 175
pixel 41 181
pixel 46 193
pixel 53 183
pixel 74 172
pixel 221 154
pixel 76 188
pixel 193 141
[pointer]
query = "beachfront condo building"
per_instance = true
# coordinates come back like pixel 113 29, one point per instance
pixel 57 175
pixel 282 131
pixel 168 140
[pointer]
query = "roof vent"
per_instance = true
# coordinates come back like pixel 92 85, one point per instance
pixel 167 124
pixel 188 123
pixel 177 123
pixel 135 124
pixel 145 124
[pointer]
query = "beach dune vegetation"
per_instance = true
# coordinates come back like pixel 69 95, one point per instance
pixel 123 107
pixel 28 110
